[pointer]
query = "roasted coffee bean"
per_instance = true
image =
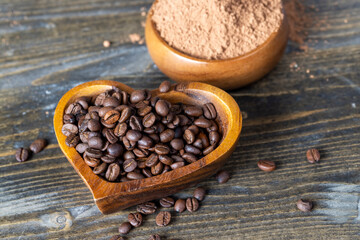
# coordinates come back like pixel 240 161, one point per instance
pixel 146 208
pixel 94 109
pixel 176 165
pixel 180 205
pixel 154 237
pixel 222 176
pixel 95 153
pixel 38 145
pixel 120 129
pixel 142 104
pixel 146 172
pixel 105 146
pixel 145 142
pixel 313 155
pixel 101 98
pixel 117 237
pixel 208 150
pixel 133 135
pixel 73 108
pixel 125 97
pixel 111 117
pixel 164 86
pixel 152 160
pixel 160 127
pixel 112 125
pixel 129 155
pixel 192 149
pixel 96 142
pixel 94 125
pixel 194 129
pixel 180 87
pixel 72 140
pixel 304 205
pixel 115 149
pixel 154 100
pixel 166 168
pixel 162 108
pixel 198 144
pixel 94 115
pixel 141 153
pixel 202 122
pixel 129 165
pixel 213 127
pixel 125 114
pixel 69 118
pixel 167 135
pixel 151 130
pixel 168 118
pixel 162 149
pixel 155 138
pixel 192 204
pixel 266 165
pixel 177 144
pixel 100 168
pixel 110 136
pixel 177 158
pixel 189 136
pixel 83 124
pixel 166 159
pixel 129 145
pixel 108 159
pixel 199 193
pixel 181 152
pixel 204 139
pixel 81 147
pixel 167 202
pixel 135 123
pixel 111 102
pixel 69 129
pixel 209 111
pixel 193 111
pixel 189 157
pixel 135 219
pixel 22 154
pixel 163 219
pixel 137 96
pixel 102 111
pixel 134 176
pixel 125 228
pixel 112 172
pixel 83 101
pixel 149 120
pixel 214 138
pixel 157 169
pixel 92 162
pixel 144 110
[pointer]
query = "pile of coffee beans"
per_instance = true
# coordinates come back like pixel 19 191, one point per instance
pixel 23 154
pixel 125 136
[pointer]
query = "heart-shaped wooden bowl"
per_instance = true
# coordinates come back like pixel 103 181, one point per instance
pixel 113 196
pixel 226 74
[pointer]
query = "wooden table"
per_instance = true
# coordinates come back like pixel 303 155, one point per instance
pixel 48 47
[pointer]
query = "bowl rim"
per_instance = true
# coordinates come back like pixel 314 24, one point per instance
pixel 94 182
pixel 151 25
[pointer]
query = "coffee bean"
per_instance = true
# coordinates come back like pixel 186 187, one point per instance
pixel 69 118
pixel 266 165
pixel 125 114
pixel 193 111
pixel 125 228
pixel 96 142
pixel 189 136
pixel 110 136
pixel 177 144
pixel 198 144
pixel 111 117
pixel 100 98
pixel 149 120
pixel 192 149
pixel 189 157
pixel 162 149
pixel 313 155
pixel 102 111
pixel 120 129
pixel 146 172
pixel 162 108
pixel 137 96
pixel 134 176
pixel 146 208
pixel 199 193
pixel 166 159
pixel 94 109
pixel 94 125
pixel 209 111
pixel 73 108
pixel 129 165
pixel 38 145
pixel 100 168
pixel 145 142
pixel 92 152
pixel 204 139
pixel 135 219
pixel 152 160
pixel 108 159
pixel 202 123
pixel 72 140
pixel 107 125
pixel 154 237
pixel 222 176
pixel 129 145
pixel 133 135
pixel 163 219
pixel 92 162
pixel 180 205
pixel 128 155
pixel 81 147
pixel 304 205
pixel 167 135
pixel 144 110
pixel 164 86
pixel 22 154
pixel 111 102
pixel 208 150
pixel 69 129
pixel 135 123
pixel 112 172
pixel 192 204
pixel 157 169
pixel 115 149
pixel 167 202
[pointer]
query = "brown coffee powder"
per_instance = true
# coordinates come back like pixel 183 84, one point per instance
pixel 217 29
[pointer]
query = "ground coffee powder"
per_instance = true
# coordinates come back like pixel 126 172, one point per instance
pixel 217 29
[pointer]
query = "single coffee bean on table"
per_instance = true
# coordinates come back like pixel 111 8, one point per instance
pixel 192 204
pixel 135 219
pixel 38 145
pixel 146 208
pixel 124 137
pixel 313 155
pixel 180 205
pixel 304 205
pixel 125 228
pixel 167 202
pixel 163 219
pixel 154 237
pixel 266 165
pixel 222 176
pixel 22 154
pixel 199 193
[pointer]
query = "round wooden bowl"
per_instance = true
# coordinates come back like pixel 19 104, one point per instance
pixel 226 74
pixel 113 196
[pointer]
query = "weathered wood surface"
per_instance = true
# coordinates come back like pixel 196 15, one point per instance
pixel 48 47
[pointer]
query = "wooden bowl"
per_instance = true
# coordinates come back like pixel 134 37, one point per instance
pixel 226 74
pixel 112 196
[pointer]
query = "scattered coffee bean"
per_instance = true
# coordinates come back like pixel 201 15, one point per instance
pixel 146 208
pixel 164 86
pixel 155 237
pixel 313 155
pixel 199 193
pixel 266 165
pixel 163 219
pixel 222 176
pixel 38 145
pixel 135 219
pixel 192 204
pixel 22 154
pixel 180 205
pixel 167 202
pixel 304 205
pixel 125 228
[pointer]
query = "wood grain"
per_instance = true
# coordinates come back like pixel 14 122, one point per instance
pixel 48 47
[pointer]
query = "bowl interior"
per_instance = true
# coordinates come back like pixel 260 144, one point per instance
pixel 228 118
